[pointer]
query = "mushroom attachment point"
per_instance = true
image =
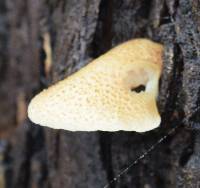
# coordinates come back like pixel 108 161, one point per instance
pixel 116 91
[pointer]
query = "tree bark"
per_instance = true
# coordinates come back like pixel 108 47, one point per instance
pixel 38 157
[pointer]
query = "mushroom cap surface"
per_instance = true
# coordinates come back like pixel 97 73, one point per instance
pixel 101 95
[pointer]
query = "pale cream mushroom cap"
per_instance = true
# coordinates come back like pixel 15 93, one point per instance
pixel 100 96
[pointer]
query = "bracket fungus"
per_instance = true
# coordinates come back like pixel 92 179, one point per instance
pixel 105 95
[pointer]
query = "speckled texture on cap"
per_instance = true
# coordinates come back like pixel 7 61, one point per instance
pixel 100 96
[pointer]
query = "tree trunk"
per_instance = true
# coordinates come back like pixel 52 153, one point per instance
pixel 76 32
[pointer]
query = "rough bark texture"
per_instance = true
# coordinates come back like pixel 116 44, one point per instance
pixel 80 31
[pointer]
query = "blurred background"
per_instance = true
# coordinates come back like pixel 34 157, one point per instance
pixel 43 41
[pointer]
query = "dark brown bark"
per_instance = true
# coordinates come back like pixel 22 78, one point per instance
pixel 80 31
